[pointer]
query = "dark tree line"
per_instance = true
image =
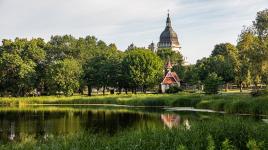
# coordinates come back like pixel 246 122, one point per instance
pixel 66 65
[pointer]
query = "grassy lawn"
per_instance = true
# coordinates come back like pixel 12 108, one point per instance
pixel 228 102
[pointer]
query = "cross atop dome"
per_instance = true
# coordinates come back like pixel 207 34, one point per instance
pixel 168 20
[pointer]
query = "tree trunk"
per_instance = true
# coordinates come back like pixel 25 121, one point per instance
pixel 256 88
pixel 160 89
pixel 81 91
pixel 120 90
pixel 144 90
pixel 18 93
pixel 226 87
pixel 202 87
pixel 241 87
pixel 103 90
pixel 126 90
pixel 89 90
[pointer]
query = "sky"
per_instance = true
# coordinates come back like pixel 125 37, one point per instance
pixel 200 24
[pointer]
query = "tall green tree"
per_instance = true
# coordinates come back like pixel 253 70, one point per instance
pixel 202 68
pixel 191 75
pixel 18 62
pixel 245 47
pixel 212 83
pixel 63 76
pixel 261 24
pixel 259 54
pixel 87 48
pixel 61 47
pixel 167 54
pixel 225 62
pixel 104 69
pixel 142 68
pixel 265 75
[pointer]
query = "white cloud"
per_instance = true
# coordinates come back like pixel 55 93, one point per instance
pixel 200 24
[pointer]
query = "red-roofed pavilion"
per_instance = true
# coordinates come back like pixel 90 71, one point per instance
pixel 170 79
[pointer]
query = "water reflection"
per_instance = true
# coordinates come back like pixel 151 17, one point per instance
pixel 175 120
pixel 12 131
pixel 186 124
pixel 41 124
pixel 170 120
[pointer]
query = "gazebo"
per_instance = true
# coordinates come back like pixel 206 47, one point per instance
pixel 170 79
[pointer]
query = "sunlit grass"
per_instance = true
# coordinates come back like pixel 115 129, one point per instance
pixel 72 109
pixel 228 102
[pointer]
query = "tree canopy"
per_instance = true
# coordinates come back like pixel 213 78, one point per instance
pixel 142 68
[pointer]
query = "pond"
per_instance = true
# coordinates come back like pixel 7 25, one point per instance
pixel 39 122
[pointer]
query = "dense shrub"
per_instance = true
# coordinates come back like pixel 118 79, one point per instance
pixel 218 105
pixel 174 89
pixel 239 106
pixel 153 103
pixel 212 84
pixel 63 76
pixel 204 104
pixel 259 93
pixel 185 102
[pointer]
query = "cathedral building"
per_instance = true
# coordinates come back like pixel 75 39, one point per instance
pixel 169 39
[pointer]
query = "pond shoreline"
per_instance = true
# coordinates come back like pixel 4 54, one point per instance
pixel 166 108
pixel 228 103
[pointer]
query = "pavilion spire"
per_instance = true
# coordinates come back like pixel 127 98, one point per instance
pixel 169 65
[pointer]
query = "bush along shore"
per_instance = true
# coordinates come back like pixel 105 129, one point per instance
pixel 229 103
pixel 227 134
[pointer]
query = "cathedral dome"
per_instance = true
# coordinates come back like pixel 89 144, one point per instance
pixel 169 38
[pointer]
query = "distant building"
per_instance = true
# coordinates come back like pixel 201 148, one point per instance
pixel 152 47
pixel 131 47
pixel 170 79
pixel 169 38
